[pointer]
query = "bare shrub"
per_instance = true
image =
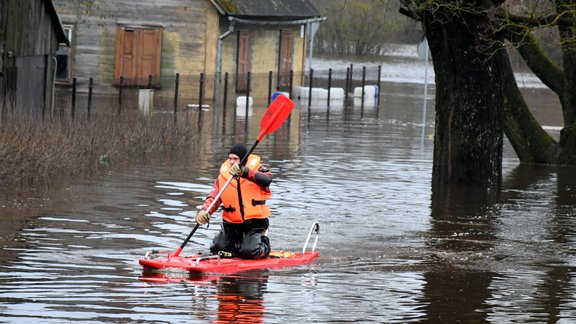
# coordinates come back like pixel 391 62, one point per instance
pixel 36 151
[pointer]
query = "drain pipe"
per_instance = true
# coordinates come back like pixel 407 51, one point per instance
pixel 219 58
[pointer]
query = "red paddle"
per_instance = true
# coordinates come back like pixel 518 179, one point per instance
pixel 273 118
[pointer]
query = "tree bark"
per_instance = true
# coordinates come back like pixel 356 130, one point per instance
pixel 530 142
pixel 469 101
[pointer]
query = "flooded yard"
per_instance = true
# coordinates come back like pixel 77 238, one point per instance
pixel 387 253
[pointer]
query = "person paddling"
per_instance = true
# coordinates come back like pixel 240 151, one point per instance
pixel 245 213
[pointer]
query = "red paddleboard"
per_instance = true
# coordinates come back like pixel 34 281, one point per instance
pixel 215 264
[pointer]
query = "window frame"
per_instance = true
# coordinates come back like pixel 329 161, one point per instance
pixel 65 50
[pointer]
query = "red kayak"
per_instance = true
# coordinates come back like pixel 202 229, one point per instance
pixel 202 264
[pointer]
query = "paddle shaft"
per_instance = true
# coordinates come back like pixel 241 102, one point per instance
pixel 177 253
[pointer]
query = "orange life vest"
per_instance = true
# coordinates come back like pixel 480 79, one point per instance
pixel 253 196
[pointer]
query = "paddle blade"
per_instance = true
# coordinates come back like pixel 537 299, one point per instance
pixel 276 114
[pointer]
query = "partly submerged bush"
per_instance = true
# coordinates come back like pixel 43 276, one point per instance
pixel 44 150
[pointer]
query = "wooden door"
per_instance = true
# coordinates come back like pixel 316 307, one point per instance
pixel 31 85
pixel 125 66
pixel 138 55
pixel 285 59
pixel 243 64
pixel 149 59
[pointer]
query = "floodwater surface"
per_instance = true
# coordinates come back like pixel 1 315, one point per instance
pixel 390 250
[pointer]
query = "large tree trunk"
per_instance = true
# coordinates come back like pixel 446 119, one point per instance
pixel 469 101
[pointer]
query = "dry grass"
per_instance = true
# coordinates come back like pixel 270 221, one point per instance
pixel 39 151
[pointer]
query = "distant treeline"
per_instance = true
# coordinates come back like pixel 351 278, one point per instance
pixel 365 27
pixel 362 27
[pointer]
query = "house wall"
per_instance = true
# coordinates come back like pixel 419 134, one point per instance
pixel 190 32
pixel 189 43
pixel 28 42
pixel 265 45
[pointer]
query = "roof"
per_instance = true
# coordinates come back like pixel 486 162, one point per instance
pixel 60 34
pixel 267 9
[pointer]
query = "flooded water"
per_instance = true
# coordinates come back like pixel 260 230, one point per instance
pixel 390 251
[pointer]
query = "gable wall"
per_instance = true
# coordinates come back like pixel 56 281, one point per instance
pixel 188 27
pixel 264 53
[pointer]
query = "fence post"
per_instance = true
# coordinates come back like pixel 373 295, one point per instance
pixel 225 100
pixel 291 83
pixel 310 87
pixel 378 84
pixel 201 95
pixel 120 94
pixel 73 109
pixel 329 86
pixel 269 87
pixel 346 84
pixel 248 77
pixel 363 85
pixel 176 89
pixel 351 81
pixel 90 87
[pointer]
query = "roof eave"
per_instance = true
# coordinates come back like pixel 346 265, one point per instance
pixel 218 7
pixel 275 21
pixel 60 34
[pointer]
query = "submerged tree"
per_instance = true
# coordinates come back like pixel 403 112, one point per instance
pixel 477 94
pixel 469 94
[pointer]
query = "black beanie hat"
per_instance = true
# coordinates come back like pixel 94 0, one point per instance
pixel 239 150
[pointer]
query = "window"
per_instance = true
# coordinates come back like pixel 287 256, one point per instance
pixel 64 58
pixel 138 55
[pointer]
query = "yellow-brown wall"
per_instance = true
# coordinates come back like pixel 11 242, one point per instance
pixel 189 43
pixel 265 44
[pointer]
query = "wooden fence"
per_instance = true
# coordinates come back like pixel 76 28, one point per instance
pixel 321 87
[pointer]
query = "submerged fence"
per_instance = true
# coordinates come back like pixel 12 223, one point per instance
pixel 318 88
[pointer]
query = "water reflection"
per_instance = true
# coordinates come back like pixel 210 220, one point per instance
pixel 515 249
pixel 462 234
pixel 457 296
pixel 240 298
pixel 462 219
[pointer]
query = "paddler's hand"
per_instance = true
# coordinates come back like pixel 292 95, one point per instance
pixel 237 170
pixel 202 217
